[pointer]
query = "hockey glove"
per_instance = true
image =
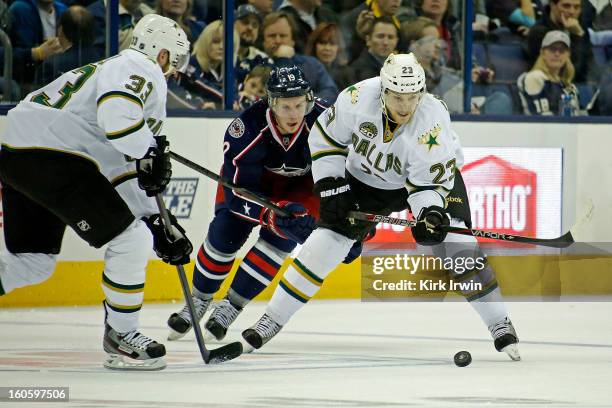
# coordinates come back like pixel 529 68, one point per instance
pixel 173 250
pixel 154 169
pixel 429 230
pixel 296 228
pixel 336 200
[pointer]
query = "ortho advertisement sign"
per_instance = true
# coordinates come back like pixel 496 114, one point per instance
pixel 511 190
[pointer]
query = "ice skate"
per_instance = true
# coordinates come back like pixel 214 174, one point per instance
pixel 221 318
pixel 505 338
pixel 261 332
pixel 180 323
pixel 132 351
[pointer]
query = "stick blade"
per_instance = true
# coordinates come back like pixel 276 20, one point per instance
pixel 225 353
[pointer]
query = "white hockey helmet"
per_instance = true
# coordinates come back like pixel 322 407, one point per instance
pixel 402 73
pixel 154 33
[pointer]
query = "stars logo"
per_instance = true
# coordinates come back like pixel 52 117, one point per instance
pixel 247 209
pixel 430 138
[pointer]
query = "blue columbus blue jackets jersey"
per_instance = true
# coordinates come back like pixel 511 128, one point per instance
pixel 254 149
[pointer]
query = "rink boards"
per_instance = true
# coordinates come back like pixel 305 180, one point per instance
pixel 585 174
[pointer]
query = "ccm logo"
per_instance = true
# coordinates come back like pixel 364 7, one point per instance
pixel 335 191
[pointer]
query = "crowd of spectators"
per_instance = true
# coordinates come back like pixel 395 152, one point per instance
pixel 535 57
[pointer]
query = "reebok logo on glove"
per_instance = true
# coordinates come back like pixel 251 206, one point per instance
pixel 335 191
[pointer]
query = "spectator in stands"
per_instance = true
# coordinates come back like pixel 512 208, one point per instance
pixel 180 11
pixel 597 17
pixel 247 24
pixel 76 36
pixel 201 87
pixel 518 15
pixel 130 12
pixel 424 41
pixel 381 41
pixel 263 6
pixel 548 88
pixel 564 15
pixel 357 23
pixel 254 86
pixel 448 27
pixel 33 35
pixel 278 39
pixel 325 43
pixel 307 14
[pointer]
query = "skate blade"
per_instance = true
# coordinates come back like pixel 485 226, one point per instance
pixel 174 335
pixel 512 351
pixel 119 362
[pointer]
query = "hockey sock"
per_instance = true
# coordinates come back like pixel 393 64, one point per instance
pixel 257 270
pixel 211 269
pixel 320 254
pixel 487 301
pixel 123 278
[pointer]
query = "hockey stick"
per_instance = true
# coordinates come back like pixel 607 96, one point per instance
pixel 561 242
pixel 218 355
pixel 241 190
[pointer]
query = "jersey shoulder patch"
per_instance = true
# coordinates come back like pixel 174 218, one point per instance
pixel 236 128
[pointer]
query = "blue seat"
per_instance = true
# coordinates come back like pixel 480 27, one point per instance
pixel 507 60
pixel 599 54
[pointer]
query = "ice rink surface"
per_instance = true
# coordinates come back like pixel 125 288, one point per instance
pixel 332 354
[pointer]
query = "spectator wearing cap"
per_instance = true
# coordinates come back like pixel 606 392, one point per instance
pixel 33 34
pixel 247 24
pixel 130 13
pixel 76 35
pixel 381 41
pixel 278 39
pixel 325 44
pixel 357 23
pixel 551 78
pixel 564 15
pixel 307 14
pixel 180 11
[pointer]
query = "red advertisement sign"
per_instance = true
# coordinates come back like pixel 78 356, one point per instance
pixel 503 198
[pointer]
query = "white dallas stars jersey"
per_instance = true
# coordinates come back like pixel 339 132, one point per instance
pixel 101 111
pixel 421 155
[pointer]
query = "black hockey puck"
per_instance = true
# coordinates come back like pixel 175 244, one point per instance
pixel 463 358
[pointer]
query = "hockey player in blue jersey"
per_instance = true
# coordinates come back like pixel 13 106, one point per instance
pixel 266 151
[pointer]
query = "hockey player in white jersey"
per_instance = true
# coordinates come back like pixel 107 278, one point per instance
pixel 385 145
pixel 64 146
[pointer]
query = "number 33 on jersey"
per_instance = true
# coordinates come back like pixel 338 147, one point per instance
pixel 102 111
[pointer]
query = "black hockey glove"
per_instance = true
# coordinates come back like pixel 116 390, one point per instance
pixel 429 229
pixel 173 250
pixel 296 228
pixel 335 200
pixel 154 169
